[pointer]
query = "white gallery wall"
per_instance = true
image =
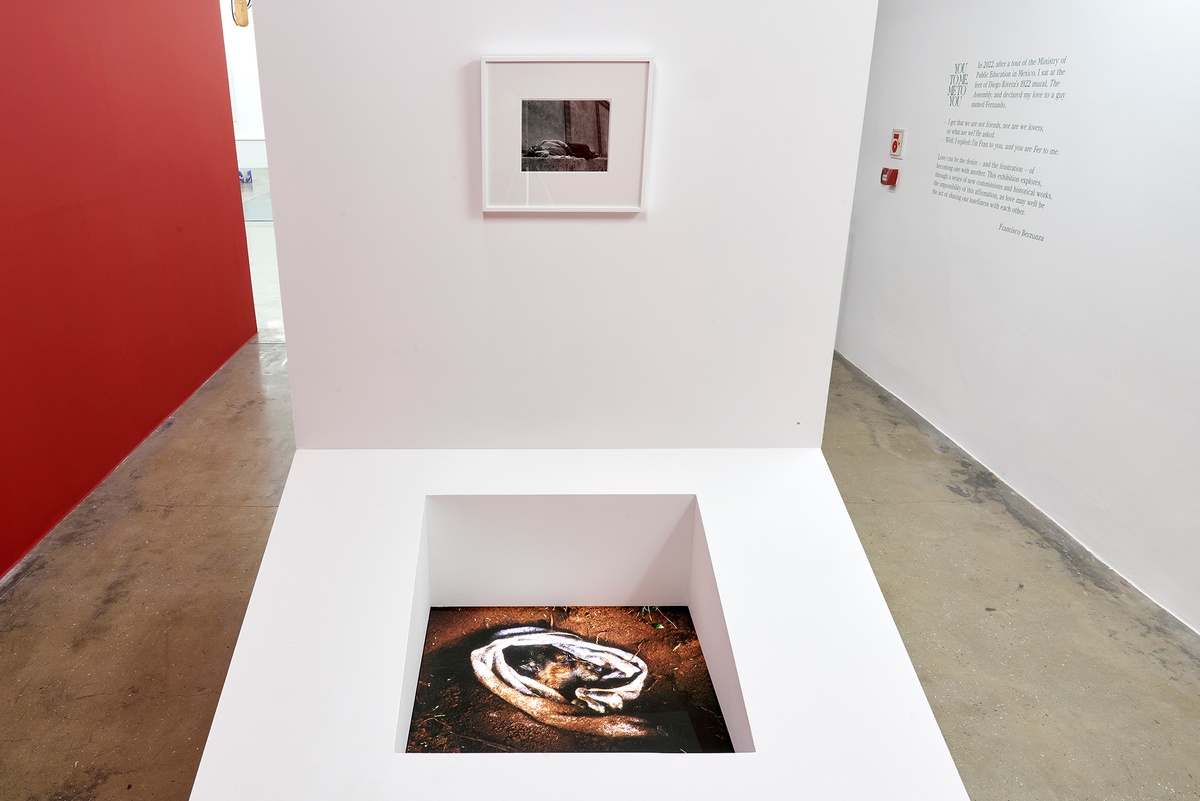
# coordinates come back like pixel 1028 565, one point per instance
pixel 1030 285
pixel 415 321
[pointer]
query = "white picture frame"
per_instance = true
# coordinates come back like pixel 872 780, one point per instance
pixel 607 173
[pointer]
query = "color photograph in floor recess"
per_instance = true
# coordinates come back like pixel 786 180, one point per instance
pixel 565 679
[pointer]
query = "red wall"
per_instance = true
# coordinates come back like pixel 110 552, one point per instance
pixel 124 279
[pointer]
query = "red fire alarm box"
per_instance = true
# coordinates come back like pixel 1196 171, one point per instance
pixel 888 178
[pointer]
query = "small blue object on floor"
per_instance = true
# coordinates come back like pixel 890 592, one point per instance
pixel 245 176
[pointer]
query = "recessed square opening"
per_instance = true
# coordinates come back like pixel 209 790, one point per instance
pixel 572 551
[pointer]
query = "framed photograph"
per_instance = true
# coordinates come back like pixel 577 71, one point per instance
pixel 565 134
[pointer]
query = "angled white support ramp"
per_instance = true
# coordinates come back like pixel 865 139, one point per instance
pixel 822 700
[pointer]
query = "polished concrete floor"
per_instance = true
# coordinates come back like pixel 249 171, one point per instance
pixel 1050 676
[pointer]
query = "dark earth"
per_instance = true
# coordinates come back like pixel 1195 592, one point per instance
pixel 454 712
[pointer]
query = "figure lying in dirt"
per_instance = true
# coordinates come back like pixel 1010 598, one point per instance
pixel 564 681
pixel 557 148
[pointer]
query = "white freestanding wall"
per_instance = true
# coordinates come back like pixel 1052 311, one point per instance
pixel 445 363
pixel 1067 364
pixel 708 320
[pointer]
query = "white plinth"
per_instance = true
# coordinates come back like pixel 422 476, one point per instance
pixel 319 686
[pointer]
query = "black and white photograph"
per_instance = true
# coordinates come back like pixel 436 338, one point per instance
pixel 564 135
pixel 565 679
pixel 550 140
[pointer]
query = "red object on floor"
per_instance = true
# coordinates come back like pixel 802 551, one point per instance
pixel 124 277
